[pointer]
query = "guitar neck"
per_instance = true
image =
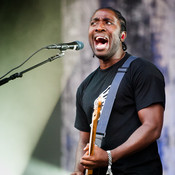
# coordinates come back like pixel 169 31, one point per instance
pixel 96 115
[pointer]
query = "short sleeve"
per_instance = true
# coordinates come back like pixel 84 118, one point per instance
pixel 81 122
pixel 149 85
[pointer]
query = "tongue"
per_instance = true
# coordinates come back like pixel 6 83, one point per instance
pixel 101 46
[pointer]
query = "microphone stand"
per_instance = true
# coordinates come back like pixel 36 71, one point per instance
pixel 20 74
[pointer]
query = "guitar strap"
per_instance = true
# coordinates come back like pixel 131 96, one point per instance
pixel 104 118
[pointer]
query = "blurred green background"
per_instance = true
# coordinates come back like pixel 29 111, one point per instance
pixel 27 103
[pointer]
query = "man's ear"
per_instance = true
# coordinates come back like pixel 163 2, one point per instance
pixel 123 36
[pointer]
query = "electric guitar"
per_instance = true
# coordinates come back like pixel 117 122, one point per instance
pixel 96 116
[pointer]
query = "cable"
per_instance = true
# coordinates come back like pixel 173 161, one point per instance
pixel 22 63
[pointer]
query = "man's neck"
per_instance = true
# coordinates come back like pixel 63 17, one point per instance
pixel 104 64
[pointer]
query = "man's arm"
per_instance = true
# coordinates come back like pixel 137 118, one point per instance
pixel 150 130
pixel 83 140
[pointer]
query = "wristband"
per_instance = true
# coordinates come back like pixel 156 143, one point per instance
pixel 109 171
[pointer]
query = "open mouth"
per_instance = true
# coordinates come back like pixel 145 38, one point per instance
pixel 101 43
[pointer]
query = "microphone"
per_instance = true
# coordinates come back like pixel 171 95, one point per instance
pixel 75 45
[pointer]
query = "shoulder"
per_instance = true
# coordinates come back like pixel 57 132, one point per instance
pixel 145 68
pixel 140 63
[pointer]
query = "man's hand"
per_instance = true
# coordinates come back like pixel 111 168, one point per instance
pixel 98 159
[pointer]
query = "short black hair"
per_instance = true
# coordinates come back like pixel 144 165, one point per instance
pixel 121 19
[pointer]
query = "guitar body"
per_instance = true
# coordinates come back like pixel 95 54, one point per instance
pixel 96 116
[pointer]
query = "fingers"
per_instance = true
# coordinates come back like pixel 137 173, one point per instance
pixel 87 164
pixel 88 161
pixel 86 148
pixel 94 161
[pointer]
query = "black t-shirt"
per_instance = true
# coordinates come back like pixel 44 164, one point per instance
pixel 142 85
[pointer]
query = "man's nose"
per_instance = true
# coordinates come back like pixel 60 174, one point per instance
pixel 100 27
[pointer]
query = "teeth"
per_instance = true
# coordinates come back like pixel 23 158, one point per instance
pixel 100 37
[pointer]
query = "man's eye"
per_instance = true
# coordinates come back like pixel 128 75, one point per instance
pixel 93 23
pixel 108 22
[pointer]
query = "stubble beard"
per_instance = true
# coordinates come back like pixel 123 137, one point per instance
pixel 106 57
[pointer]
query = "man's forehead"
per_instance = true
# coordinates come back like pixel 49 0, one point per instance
pixel 99 18
pixel 104 14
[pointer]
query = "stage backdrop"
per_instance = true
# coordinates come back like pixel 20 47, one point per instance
pixel 150 35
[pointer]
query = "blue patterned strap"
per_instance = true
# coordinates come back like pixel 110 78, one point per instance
pixel 104 118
